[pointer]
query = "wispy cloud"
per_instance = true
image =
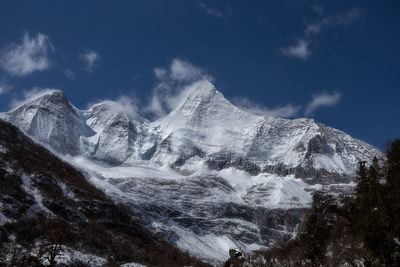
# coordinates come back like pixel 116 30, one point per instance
pixel 211 11
pixel 90 59
pixel 184 71
pixel 215 12
pixel 30 55
pixel 30 95
pixel 4 88
pixel 172 84
pixel 341 19
pixel 321 100
pixel 69 74
pixel 286 111
pixel 127 104
pixel 300 50
pixel 318 9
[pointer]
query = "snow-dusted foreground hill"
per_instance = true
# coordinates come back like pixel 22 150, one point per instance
pixel 208 176
pixel 47 207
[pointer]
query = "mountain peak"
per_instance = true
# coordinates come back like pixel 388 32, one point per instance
pixel 203 89
pixel 200 95
pixel 109 108
pixel 55 96
pixel 52 120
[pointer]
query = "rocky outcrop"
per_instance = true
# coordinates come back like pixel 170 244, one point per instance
pixel 220 163
pixel 310 175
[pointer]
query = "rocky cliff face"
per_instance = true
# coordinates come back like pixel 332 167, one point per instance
pixel 208 176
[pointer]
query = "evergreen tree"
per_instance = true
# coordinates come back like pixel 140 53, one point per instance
pixel 377 209
pixel 317 230
pixel 392 197
pixel 362 183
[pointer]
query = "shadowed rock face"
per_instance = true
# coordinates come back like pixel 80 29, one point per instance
pixel 220 163
pixel 310 175
pixel 318 145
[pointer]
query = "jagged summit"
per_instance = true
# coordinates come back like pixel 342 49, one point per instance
pixel 52 119
pixel 200 96
pixel 202 91
pixel 205 107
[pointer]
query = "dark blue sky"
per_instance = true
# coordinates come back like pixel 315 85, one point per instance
pixel 335 61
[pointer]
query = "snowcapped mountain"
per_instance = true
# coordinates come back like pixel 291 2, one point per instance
pixel 208 176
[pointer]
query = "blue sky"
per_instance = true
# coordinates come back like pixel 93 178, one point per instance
pixel 335 61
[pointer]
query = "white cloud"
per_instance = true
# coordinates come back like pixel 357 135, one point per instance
pixel 318 9
pixel 160 73
pixel 313 28
pixel 287 111
pixel 341 19
pixel 321 100
pixel 4 88
pixel 172 85
pixel 300 50
pixel 211 11
pixel 184 71
pixel 125 104
pixel 69 74
pixel 28 56
pixel 31 95
pixel 90 58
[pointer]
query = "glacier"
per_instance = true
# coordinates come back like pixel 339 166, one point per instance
pixel 208 176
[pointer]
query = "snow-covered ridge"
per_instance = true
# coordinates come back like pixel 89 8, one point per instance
pixel 204 124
